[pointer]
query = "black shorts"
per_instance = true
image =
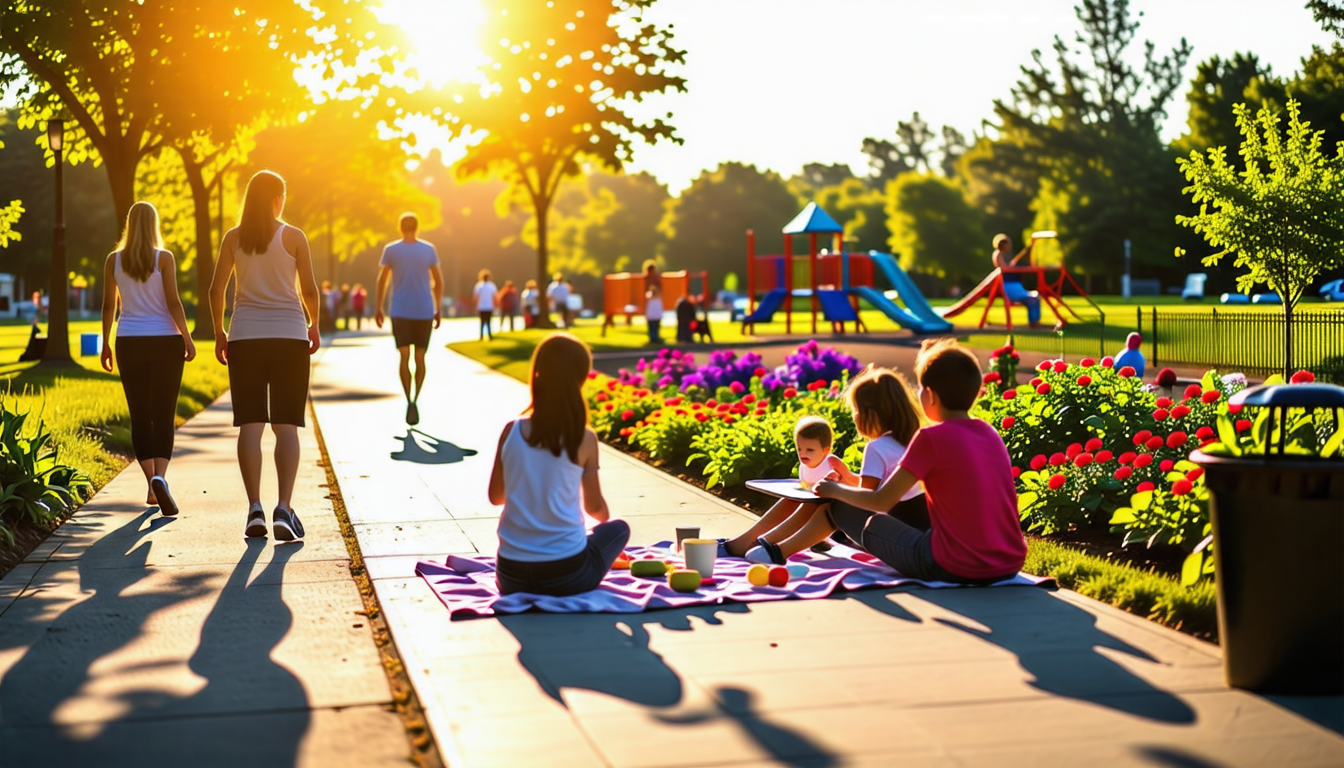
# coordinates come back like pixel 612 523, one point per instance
pixel 269 381
pixel 411 332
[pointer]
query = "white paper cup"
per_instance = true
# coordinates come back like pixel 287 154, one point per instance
pixel 700 555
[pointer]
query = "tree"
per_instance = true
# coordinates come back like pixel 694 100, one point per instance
pixel 559 92
pixel 1218 85
pixel 934 229
pixel 9 216
pixel 888 159
pixel 1330 13
pixel 859 209
pixel 1280 217
pixel 706 226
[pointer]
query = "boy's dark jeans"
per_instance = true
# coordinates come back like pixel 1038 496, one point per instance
pixel 898 544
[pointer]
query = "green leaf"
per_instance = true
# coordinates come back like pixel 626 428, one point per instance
pixel 1192 568
pixel 1122 516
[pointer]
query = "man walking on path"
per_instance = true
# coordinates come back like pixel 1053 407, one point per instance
pixel 415 303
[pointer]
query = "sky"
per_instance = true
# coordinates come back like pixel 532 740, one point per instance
pixel 781 83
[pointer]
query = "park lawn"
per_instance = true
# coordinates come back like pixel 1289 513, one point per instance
pixel 85 408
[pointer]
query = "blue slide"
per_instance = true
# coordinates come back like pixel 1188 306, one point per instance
pixel 767 308
pixel 836 307
pixel 916 315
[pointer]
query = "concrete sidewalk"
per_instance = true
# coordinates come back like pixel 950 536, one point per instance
pixel 972 677
pixel 133 639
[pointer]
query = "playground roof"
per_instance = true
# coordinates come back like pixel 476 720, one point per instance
pixel 812 220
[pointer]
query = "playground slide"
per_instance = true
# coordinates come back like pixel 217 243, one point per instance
pixel 769 305
pixel 836 307
pixel 916 315
pixel 979 292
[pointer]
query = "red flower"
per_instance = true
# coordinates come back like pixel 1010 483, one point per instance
pixel 1166 378
pixel 1154 442
pixel 1123 473
pixel 1126 372
pixel 610 406
pixel 1181 487
pixel 601 397
pixel 1194 474
pixel 1303 377
pixel 1108 362
pixel 1038 463
pixel 1035 382
pixel 612 384
pixel 1164 402
pixel 749 399
pixel 1084 380
pixel 1234 408
pixel 1017 472
pixel 790 393
pixel 728 419
pixel 1073 450
pixel 992 377
pixel 1082 460
pixel 1205 432
pixel 712 403
pixel 1093 444
pixel 1211 396
pixel 1143 460
pixel 592 374
pixel 1061 366
pixel 759 372
pixel 702 417
pixel 1193 391
pixel 1160 414
pixel 1057 481
pixel 1008 422
pixel 1058 459
pixel 1044 366
pixel 1009 394
pixel 1145 486
pixel 1142 437
pixel 1177 439
pixel 1166 465
pixel 1243 425
pixel 1180 412
pixel 1043 389
pixel 1104 456
pixel 1128 457
pixel 625 431
pixel 673 401
pixel 1087 362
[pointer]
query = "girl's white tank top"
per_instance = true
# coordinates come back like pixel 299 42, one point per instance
pixel 266 299
pixel 144 306
pixel 542 520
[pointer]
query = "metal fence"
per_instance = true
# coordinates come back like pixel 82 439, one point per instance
pixel 1247 341
pixel 1072 342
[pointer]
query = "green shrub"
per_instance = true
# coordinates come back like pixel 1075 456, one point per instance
pixel 34 486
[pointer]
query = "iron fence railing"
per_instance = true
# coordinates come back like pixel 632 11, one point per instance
pixel 1246 341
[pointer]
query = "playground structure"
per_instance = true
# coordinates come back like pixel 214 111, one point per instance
pixel 1050 292
pixel 837 280
pixel 623 293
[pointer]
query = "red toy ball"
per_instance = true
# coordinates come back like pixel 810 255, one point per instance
pixel 779 576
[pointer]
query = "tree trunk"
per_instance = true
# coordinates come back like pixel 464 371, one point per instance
pixel 1287 336
pixel 541 207
pixel 121 180
pixel 205 259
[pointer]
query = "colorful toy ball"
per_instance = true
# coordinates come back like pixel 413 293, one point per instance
pixel 683 580
pixel 778 576
pixel 653 568
pixel 797 570
pixel 758 575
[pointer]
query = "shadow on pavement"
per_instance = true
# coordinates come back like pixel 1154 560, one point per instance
pixel 422 448
pixel 1056 643
pixel 1168 757
pixel 610 654
pixel 1325 711
pixel 326 392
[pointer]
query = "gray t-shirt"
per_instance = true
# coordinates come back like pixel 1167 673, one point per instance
pixel 412 298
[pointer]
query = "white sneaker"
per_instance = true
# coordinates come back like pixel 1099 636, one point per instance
pixel 285 525
pixel 256 523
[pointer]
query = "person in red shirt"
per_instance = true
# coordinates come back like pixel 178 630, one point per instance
pixel 976 537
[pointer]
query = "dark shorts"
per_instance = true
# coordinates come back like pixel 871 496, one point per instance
pixel 410 333
pixel 269 381
pixel 898 544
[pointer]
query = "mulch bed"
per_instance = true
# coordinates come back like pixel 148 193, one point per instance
pixel 27 536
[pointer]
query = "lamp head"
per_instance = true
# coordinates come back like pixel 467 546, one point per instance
pixel 55 134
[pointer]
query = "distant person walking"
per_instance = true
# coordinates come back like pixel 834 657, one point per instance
pixel 558 294
pixel 484 296
pixel 359 298
pixel 508 304
pixel 411 266
pixel 343 303
pixel 153 343
pixel 267 346
pixel 531 299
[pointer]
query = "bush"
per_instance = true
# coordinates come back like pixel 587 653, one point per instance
pixel 34 486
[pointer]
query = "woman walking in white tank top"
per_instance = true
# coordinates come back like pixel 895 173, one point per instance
pixel 268 343
pixel 153 343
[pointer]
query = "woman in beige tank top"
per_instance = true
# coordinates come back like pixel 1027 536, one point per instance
pixel 268 343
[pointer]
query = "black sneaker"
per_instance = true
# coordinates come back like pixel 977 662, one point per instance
pixel 166 504
pixel 256 523
pixel 772 549
pixel 286 525
pixel 412 414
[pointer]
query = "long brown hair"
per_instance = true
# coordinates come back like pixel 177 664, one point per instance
pixel 256 222
pixel 882 402
pixel 560 364
pixel 140 241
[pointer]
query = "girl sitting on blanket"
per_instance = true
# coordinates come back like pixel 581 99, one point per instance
pixel 546 461
pixel 885 413
pixel 975 536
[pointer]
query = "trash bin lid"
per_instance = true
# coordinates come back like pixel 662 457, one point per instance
pixel 1291 396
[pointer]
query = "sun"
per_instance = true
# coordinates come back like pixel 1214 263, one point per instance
pixel 443 33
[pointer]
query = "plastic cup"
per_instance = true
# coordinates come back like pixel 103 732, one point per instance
pixel 689 532
pixel 700 555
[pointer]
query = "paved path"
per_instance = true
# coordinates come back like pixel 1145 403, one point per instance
pixel 130 639
pixel 917 677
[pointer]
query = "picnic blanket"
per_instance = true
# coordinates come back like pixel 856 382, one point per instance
pixel 467 586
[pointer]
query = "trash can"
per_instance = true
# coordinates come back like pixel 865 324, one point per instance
pixel 90 344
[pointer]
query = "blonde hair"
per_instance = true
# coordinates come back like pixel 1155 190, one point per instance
pixel 484 276
pixel 882 402
pixel 140 241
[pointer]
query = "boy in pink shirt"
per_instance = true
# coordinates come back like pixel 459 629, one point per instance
pixel 976 537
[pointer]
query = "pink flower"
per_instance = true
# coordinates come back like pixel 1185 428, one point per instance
pixel 1008 422
pixel 1009 394
pixel 1087 362
pixel 1211 396
pixel 1038 463
pixel 1122 473
pixel 1302 377
pixel 1126 372
pixel 1057 481
pixel 1181 487
pixel 737 388
pixel 1084 380
pixel 1145 486
pixel 1043 389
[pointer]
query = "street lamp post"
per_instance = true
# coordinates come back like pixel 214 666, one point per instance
pixel 58 332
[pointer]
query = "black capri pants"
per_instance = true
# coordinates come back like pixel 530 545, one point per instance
pixel 151 374
pixel 269 381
